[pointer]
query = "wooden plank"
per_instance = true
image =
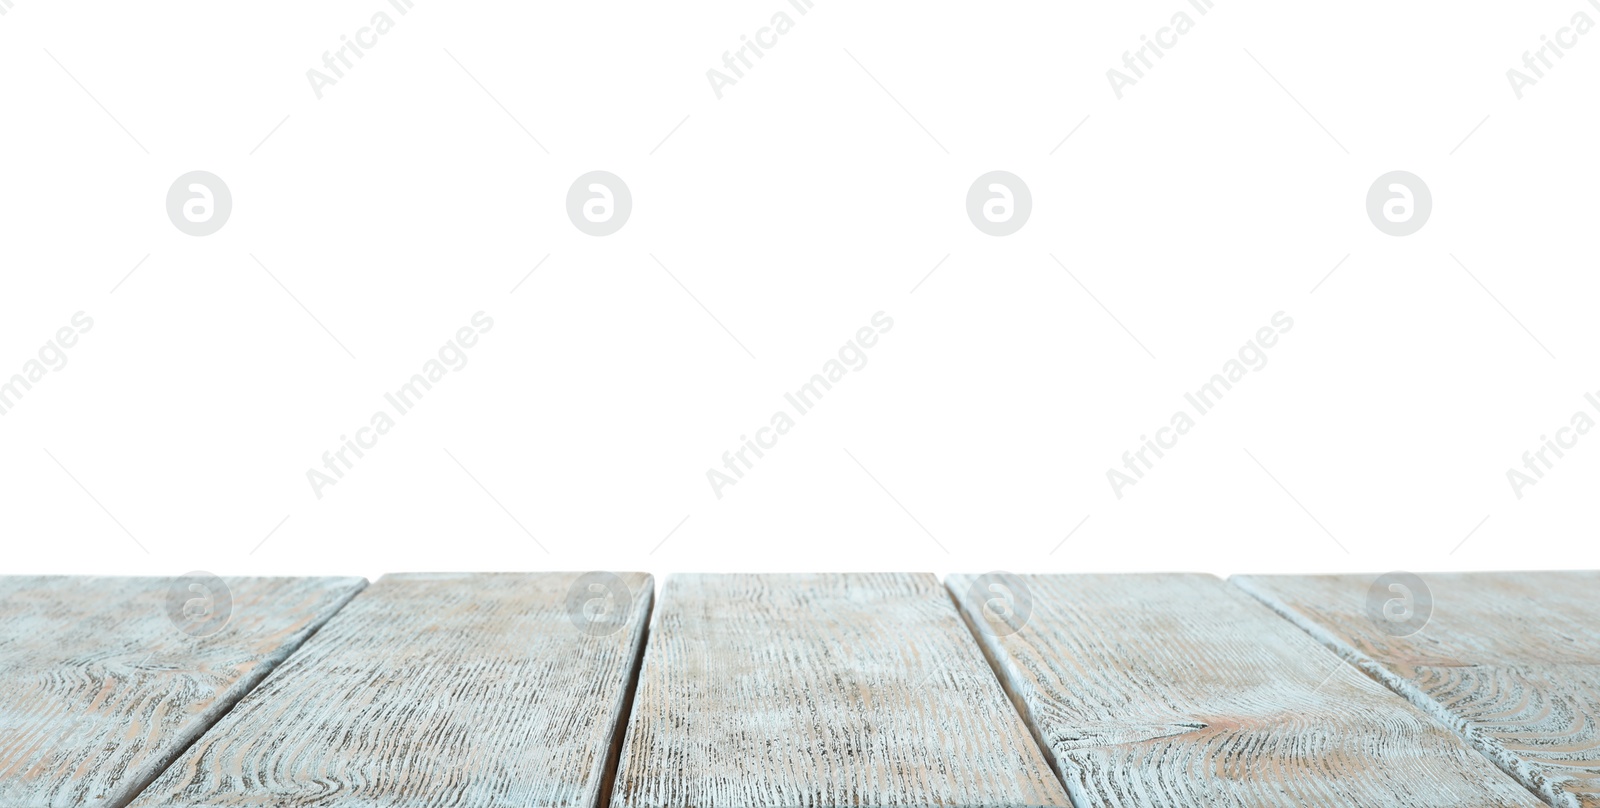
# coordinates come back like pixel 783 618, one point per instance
pixel 100 687
pixel 1164 690
pixel 435 690
pixel 822 690
pixel 1511 660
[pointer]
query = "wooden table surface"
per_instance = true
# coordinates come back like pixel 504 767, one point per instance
pixel 431 690
pixel 99 688
pixel 1511 660
pixel 822 690
pixel 872 690
pixel 1166 690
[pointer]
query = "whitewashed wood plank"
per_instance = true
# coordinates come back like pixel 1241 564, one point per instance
pixel 822 690
pixel 433 690
pixel 1178 690
pixel 100 688
pixel 1510 660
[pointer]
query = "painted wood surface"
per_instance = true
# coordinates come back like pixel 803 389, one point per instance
pixel 819 691
pixel 433 690
pixel 100 689
pixel 1511 660
pixel 1179 690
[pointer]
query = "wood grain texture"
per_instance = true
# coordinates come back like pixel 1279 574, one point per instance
pixel 1178 690
pixel 821 690
pixel 1510 660
pixel 99 689
pixel 429 690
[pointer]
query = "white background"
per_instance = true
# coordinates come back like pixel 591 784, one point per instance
pixel 793 208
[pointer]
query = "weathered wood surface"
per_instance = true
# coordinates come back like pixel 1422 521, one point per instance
pixel 819 691
pixel 100 689
pixel 432 690
pixel 1178 690
pixel 1510 660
